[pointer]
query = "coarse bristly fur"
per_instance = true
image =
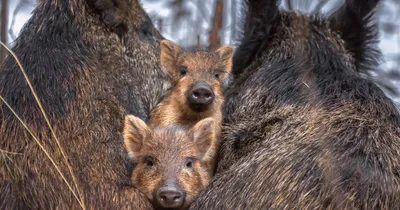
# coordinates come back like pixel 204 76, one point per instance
pixel 170 156
pixel 211 68
pixel 198 66
pixel 178 146
pixel 303 129
pixel 91 63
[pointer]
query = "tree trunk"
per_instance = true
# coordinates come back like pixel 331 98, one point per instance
pixel 233 21
pixel 3 29
pixel 214 38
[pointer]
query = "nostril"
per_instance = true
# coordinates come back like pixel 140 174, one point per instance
pixel 163 197
pixel 202 93
pixel 196 94
pixel 177 197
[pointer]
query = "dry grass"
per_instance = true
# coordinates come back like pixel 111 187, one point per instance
pixel 78 198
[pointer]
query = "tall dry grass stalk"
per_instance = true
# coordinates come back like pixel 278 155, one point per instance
pixel 79 198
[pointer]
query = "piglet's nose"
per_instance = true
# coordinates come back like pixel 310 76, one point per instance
pixel 170 197
pixel 201 94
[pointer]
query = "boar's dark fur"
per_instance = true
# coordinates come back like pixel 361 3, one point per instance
pixel 303 128
pixel 91 63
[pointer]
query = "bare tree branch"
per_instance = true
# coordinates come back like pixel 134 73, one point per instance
pixel 233 20
pixel 214 38
pixel 289 4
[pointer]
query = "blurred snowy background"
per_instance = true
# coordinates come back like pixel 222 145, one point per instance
pixel 211 23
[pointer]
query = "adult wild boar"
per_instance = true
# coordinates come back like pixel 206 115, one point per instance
pixel 303 128
pixel 91 62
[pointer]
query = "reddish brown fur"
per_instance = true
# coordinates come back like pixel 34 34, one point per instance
pixel 167 139
pixel 169 148
pixel 201 66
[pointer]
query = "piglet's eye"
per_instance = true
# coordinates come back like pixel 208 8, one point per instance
pixel 189 162
pixel 217 73
pixel 149 161
pixel 183 70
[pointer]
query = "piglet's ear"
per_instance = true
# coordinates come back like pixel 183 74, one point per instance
pixel 225 54
pixel 135 132
pixel 169 56
pixel 204 136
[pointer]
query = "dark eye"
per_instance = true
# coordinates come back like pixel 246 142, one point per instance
pixel 183 70
pixel 189 162
pixel 149 161
pixel 216 75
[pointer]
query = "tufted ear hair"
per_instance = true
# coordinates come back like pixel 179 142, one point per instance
pixel 135 133
pixel 116 13
pixel 259 25
pixel 169 56
pixel 204 137
pixel 225 54
pixel 354 21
